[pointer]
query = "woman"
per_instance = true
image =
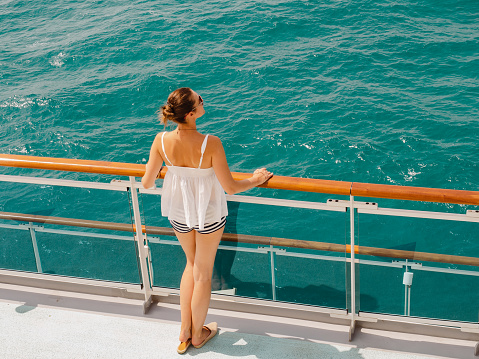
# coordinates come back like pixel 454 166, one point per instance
pixel 194 201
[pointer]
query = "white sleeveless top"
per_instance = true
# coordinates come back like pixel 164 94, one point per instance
pixel 192 196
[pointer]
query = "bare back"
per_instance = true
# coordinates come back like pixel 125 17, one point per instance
pixel 183 149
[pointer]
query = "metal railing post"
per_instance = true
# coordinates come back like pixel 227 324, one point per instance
pixel 273 274
pixel 353 270
pixel 143 250
pixel 35 247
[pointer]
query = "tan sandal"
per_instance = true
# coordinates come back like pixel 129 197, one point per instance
pixel 213 329
pixel 183 347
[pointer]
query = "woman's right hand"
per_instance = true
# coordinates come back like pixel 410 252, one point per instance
pixel 262 175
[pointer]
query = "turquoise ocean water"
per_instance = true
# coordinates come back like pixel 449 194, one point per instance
pixel 365 91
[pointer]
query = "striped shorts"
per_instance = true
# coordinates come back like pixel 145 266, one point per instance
pixel 209 228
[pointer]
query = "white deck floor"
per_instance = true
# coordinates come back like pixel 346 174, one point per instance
pixel 50 324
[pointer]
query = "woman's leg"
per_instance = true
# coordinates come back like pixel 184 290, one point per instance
pixel 187 241
pixel 206 246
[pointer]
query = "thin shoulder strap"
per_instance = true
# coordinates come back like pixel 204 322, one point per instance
pixel 163 147
pixel 203 148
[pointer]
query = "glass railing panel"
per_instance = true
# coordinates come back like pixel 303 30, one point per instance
pixel 380 289
pixel 439 290
pixel 314 277
pixel 240 268
pixel 449 296
pixel 168 261
pixel 16 247
pixel 89 257
pixel 70 249
pixel 311 281
pixel 245 274
pixel 231 273
pixel 244 268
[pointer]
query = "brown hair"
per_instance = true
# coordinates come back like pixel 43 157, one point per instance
pixel 179 104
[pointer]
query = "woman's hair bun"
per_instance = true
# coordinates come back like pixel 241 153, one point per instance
pixel 168 110
pixel 179 104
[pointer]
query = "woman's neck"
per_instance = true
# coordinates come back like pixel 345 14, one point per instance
pixel 186 127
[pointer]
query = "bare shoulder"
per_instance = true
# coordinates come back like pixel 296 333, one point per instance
pixel 157 141
pixel 159 135
pixel 214 141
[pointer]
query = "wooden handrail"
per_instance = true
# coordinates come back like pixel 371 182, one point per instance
pixel 277 182
pixel 415 193
pixel 137 170
pixel 72 165
pixel 261 240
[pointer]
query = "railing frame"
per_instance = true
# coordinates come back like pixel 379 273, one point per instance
pixel 335 187
pixel 353 269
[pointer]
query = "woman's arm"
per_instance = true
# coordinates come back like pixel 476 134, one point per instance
pixel 154 164
pixel 222 171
